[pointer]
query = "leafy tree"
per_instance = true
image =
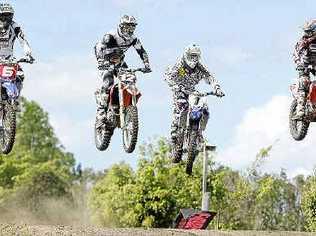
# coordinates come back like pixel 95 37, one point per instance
pixel 309 202
pixel 152 195
pixel 38 165
pixel 148 197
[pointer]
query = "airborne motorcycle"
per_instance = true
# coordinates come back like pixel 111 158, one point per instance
pixel 299 126
pixel 9 95
pixel 189 137
pixel 122 111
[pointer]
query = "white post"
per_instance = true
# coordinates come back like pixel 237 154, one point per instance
pixel 205 194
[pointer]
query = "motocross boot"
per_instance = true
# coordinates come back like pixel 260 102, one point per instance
pixel 173 135
pixel 174 144
pixel 101 117
pixel 102 106
pixel 300 108
pixel 17 105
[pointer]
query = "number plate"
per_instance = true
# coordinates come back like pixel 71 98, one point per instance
pixel 8 72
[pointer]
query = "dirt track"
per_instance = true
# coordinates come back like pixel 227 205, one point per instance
pixel 25 230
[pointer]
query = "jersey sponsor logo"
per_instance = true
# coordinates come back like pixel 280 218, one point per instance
pixel 182 72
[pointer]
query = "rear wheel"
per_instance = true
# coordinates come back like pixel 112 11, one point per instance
pixel 192 151
pixel 130 129
pixel 102 136
pixel 8 129
pixel 298 128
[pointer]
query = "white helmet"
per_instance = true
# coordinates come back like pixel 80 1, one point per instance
pixel 6 14
pixel 127 26
pixel 310 28
pixel 192 55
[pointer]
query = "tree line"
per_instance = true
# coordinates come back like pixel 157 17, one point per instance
pixel 40 182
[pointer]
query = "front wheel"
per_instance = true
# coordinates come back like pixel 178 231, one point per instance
pixel 8 129
pixel 130 129
pixel 298 128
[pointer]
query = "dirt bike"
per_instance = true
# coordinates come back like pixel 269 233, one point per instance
pixel 122 111
pixel 9 95
pixel 189 135
pixel 299 125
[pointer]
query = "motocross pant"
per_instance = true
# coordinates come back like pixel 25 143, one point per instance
pixel 102 94
pixel 19 84
pixel 303 86
pixel 180 108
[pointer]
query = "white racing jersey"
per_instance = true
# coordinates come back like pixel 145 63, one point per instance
pixel 180 75
pixel 8 37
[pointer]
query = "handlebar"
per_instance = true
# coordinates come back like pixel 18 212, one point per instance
pixel 144 70
pixel 25 60
pixel 198 94
pixel 181 88
pixel 14 61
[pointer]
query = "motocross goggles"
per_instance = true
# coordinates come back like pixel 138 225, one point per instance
pixel 194 57
pixel 6 17
pixel 129 29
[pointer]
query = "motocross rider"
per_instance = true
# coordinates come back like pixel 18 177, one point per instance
pixel 305 59
pixel 9 32
pixel 182 79
pixel 110 53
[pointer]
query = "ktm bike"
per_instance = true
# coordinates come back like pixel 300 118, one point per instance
pixel 122 111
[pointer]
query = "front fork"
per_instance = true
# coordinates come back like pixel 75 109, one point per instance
pixel 122 108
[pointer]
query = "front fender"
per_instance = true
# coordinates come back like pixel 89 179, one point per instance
pixel 12 89
pixel 132 90
pixel 129 93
